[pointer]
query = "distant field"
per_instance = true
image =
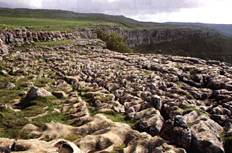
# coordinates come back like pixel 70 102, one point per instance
pixel 48 24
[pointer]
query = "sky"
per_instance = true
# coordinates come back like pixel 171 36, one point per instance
pixel 204 11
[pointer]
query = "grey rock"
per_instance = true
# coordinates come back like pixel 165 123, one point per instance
pixel 4 72
pixel 35 92
pixel 28 84
pixel 156 102
pixel 177 132
pixel 71 79
pixel 8 85
pixel 59 94
pixel 4 50
pixel 206 135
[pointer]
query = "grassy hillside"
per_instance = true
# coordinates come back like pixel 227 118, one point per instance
pixel 96 18
pixel 80 17
pixel 37 24
pixel 225 29
pixel 65 15
pixel 217 48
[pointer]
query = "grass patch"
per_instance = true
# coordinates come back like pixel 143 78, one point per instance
pixel 72 137
pixel 8 96
pixel 119 149
pixel 227 141
pixel 38 105
pixel 4 79
pixel 11 123
pixel 53 43
pixel 197 110
pixel 39 101
pixel 177 66
pixel 61 118
pixel 42 82
pixel 87 90
pixel 105 99
pixel 37 24
pixel 57 89
pixel 119 117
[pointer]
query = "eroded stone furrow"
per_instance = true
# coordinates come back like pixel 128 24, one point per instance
pixel 179 100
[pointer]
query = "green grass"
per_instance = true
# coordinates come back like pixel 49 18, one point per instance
pixel 12 122
pixel 72 137
pixel 82 19
pixel 47 24
pixel 53 43
pixel 8 96
pixel 105 99
pixel 227 141
pixel 4 79
pixel 197 110
pixel 42 82
pixel 119 117
pixel 119 149
pixel 36 106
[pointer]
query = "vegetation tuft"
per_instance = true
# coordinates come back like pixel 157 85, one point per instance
pixel 227 141
pixel 114 41
pixel 119 149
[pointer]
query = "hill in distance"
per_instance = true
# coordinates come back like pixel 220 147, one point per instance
pixel 217 48
pixel 100 18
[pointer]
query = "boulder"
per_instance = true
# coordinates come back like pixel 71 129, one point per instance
pixel 37 146
pixel 59 94
pixel 152 123
pixel 35 92
pixel 156 102
pixel 177 132
pixel 4 49
pixel 8 85
pixel 71 79
pixel 205 133
pixel 28 84
pixel 3 72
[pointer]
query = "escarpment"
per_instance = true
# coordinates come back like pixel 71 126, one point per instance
pixel 133 37
pixel 80 97
pixel 142 37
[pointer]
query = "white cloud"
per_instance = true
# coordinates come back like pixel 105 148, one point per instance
pixel 212 12
pixel 21 3
pixel 35 3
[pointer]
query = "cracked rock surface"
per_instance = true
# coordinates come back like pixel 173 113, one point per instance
pixel 168 103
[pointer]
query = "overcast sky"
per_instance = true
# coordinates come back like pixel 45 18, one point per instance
pixel 206 11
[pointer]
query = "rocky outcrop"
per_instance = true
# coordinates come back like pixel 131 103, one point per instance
pixel 23 36
pixel 100 133
pixel 35 92
pixel 134 37
pixel 34 145
pixel 172 103
pixel 141 37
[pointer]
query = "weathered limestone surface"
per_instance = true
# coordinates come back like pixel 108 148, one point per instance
pixel 134 37
pixel 141 37
pixel 179 103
